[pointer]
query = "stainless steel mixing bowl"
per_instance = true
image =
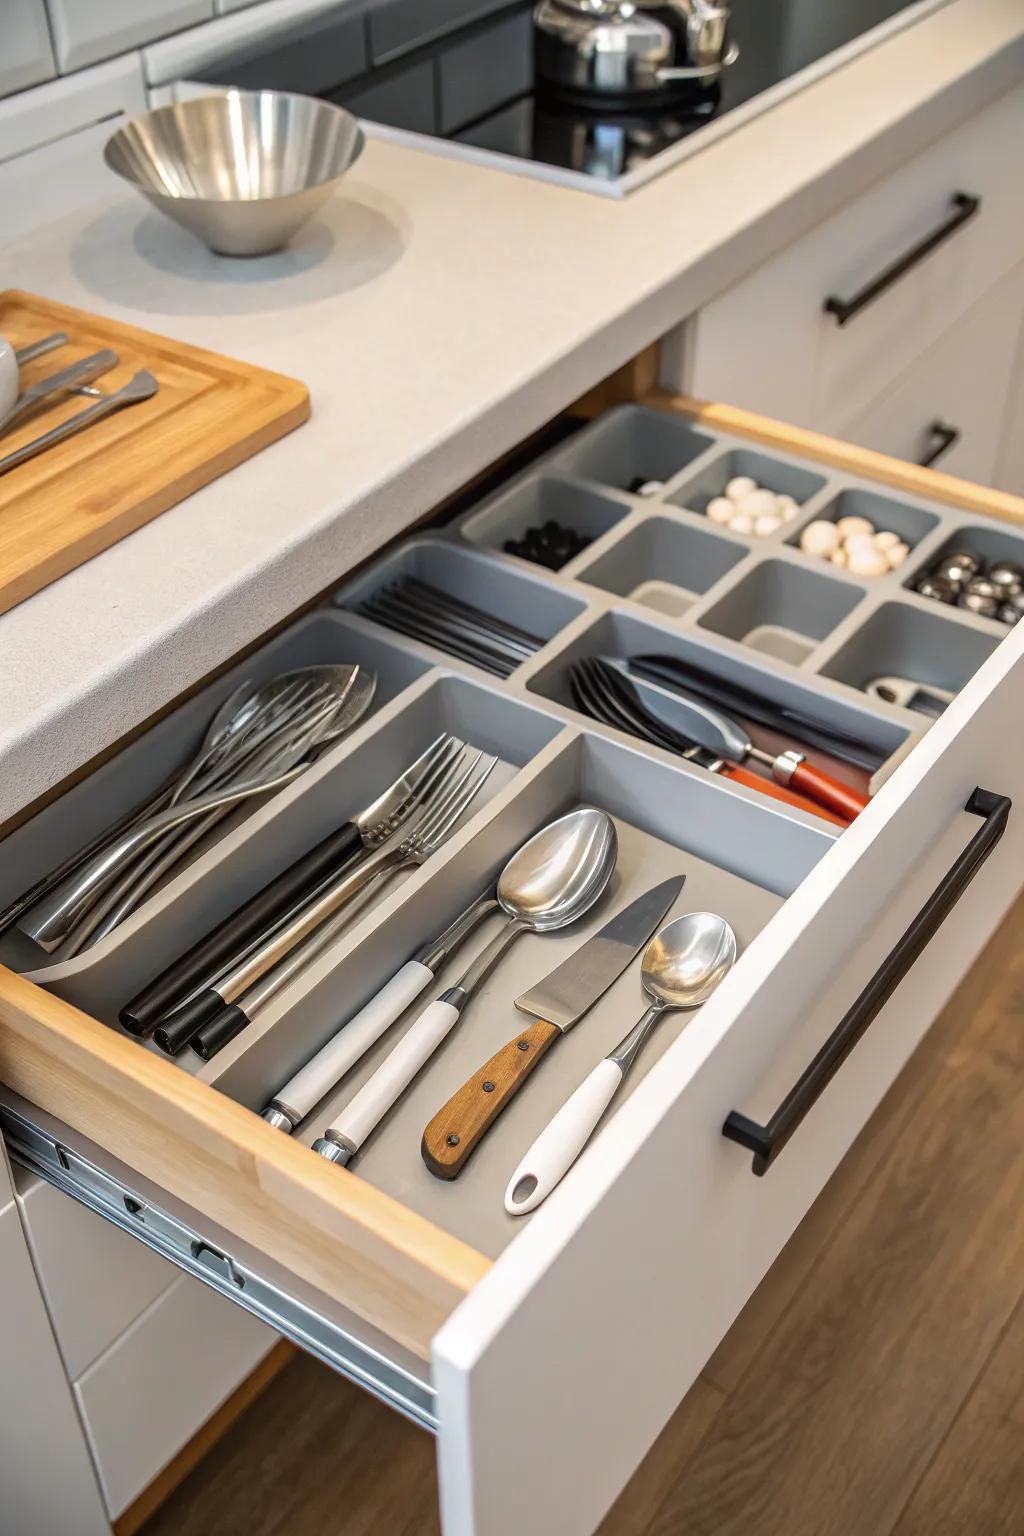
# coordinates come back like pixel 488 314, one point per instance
pixel 242 169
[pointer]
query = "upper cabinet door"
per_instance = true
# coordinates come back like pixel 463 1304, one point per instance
pixel 26 57
pixel 85 31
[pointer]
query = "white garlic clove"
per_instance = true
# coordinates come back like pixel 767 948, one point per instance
pixel 885 541
pixel 820 538
pixel 896 555
pixel 720 510
pixel 742 523
pixel 783 504
pixel 766 524
pixel 866 562
pixel 757 503
pixel 838 556
pixel 860 541
pixel 740 485
pixel 849 527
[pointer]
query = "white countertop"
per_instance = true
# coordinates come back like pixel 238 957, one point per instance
pixel 439 312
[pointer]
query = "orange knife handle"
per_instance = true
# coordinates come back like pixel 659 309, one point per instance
pixel 456 1129
pixel 829 792
pixel 777 792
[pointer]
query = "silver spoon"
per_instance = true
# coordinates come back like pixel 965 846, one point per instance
pixel 142 386
pixel 682 966
pixel 551 881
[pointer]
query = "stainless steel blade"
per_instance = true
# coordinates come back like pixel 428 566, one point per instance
pixel 574 986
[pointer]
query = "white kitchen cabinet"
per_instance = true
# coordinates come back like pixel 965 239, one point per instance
pixel 1009 475
pixel 26 57
pixel 96 1281
pixel 47 1482
pixel 770 344
pixel 85 31
pixel 960 385
pixel 146 1397
pixel 590 1321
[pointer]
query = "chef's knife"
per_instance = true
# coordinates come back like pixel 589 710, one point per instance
pixel 557 1003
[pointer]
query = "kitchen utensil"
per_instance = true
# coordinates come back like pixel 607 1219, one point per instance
pixel 553 879
pixel 68 379
pixel 8 377
pixel 40 348
pixel 142 386
pixel 414 608
pixel 720 733
pixel 925 698
pixel 243 170
pixel 612 49
pixel 682 967
pixel 71 504
pixel 557 1003
pixel 605 695
pixel 693 680
pixel 292 1103
pixel 271 738
pixel 368 828
pixel 224 1003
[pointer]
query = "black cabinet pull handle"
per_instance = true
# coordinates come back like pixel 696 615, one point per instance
pixel 767 1141
pixel 941 438
pixel 965 206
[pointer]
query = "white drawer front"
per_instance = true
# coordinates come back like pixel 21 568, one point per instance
pixel 25 53
pixel 159 1384
pixel 87 30
pixel 769 344
pixel 96 1280
pixel 960 384
pixel 592 1326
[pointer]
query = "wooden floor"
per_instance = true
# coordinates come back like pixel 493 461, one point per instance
pixel 874 1386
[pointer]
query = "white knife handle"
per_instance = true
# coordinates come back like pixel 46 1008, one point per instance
pixel 352 1041
pixel 562 1140
pixel 394 1074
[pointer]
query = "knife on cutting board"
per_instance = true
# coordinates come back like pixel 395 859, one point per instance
pixel 557 1003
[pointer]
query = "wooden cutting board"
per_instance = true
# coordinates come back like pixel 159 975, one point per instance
pixel 75 500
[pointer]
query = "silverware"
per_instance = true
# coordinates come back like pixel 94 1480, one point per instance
pixel 414 608
pixel 460 786
pixel 556 1003
pixel 62 383
pixel 292 1103
pixel 243 170
pixel 681 969
pixel 280 901
pixel 553 879
pixel 40 348
pixel 256 743
pixel 142 387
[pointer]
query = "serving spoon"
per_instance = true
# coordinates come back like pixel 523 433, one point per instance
pixel 550 882
pixel 682 966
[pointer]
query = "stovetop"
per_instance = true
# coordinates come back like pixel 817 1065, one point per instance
pixel 473 87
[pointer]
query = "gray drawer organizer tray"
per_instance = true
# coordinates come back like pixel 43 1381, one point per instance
pixel 656 578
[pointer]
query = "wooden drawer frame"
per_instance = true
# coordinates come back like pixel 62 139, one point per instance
pixel 363 1252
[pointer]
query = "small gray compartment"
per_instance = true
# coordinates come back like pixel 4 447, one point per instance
pixel 771 474
pixel 912 523
pixel 631 443
pixel 782 609
pixel 472 576
pixel 538 499
pixel 665 564
pixel 901 640
pixel 984 540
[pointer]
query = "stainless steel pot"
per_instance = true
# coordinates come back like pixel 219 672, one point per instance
pixel 621 48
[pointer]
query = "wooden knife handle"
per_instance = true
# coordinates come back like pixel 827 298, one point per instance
pixel 457 1128
pixel 806 779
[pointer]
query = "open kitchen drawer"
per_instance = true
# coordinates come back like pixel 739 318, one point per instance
pixel 548 1353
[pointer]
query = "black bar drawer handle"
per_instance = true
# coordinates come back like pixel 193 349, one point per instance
pixel 767 1141
pixel 964 205
pixel 941 438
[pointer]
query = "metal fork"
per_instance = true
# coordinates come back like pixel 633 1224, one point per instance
pixel 293 946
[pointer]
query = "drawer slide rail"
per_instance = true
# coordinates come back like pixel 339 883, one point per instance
pixel 41 1154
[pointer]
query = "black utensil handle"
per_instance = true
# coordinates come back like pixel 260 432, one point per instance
pixel 964 205
pixel 767 1141
pixel 174 1032
pixel 941 438
pixel 218 948
pixel 215 1035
